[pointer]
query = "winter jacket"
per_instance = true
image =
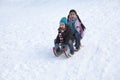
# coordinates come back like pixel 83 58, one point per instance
pixel 76 26
pixel 67 35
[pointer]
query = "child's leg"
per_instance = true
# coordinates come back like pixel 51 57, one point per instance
pixel 77 37
pixel 57 46
pixel 70 44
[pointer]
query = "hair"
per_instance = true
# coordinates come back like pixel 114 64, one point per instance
pixel 72 10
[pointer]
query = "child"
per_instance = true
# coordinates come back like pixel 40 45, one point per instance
pixel 64 36
pixel 77 27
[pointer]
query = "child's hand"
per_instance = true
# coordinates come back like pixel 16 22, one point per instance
pixel 61 31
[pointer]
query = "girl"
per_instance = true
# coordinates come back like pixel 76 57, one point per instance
pixel 64 36
pixel 77 28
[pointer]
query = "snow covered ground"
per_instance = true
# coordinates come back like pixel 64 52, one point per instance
pixel 29 27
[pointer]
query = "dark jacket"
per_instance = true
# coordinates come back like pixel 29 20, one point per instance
pixel 67 35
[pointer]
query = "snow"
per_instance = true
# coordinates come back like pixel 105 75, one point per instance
pixel 28 29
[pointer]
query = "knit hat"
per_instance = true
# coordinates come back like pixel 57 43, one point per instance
pixel 63 20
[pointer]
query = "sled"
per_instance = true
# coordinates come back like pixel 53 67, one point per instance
pixel 63 50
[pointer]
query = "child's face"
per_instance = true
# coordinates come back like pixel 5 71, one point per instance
pixel 72 15
pixel 62 25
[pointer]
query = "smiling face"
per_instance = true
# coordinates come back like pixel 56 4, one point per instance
pixel 62 25
pixel 72 15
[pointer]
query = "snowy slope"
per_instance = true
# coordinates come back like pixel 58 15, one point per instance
pixel 29 27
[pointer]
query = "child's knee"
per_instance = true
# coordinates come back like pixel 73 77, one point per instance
pixel 70 42
pixel 56 45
